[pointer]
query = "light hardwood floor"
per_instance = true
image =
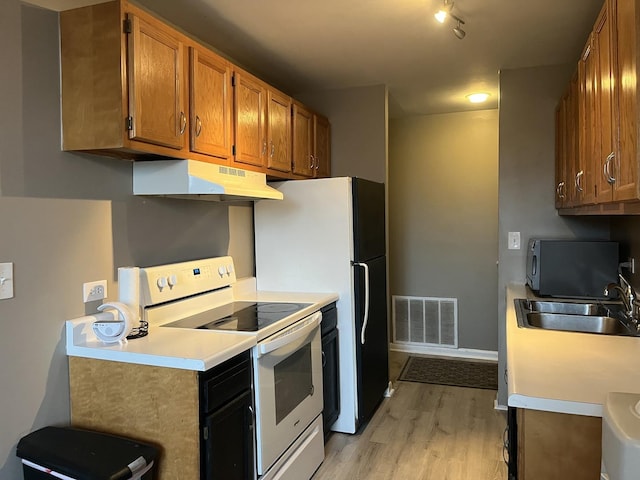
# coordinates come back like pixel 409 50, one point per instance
pixel 427 432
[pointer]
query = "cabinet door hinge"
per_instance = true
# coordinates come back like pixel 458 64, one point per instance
pixel 126 25
pixel 205 433
pixel 129 123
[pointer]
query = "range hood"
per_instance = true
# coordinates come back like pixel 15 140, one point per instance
pixel 200 181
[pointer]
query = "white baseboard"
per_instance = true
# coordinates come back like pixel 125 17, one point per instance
pixel 497 406
pixel 446 352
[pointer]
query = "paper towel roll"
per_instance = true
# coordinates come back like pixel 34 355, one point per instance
pixel 129 289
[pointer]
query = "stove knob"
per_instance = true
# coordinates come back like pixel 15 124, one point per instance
pixel 162 282
pixel 229 269
pixel 172 280
pixel 221 270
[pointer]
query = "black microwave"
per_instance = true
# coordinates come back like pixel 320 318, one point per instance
pixel 571 268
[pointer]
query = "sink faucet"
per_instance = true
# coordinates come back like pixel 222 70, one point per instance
pixel 627 295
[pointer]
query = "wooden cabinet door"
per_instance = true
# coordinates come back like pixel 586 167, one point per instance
pixel 573 138
pixel 250 108
pixel 590 148
pixel 322 146
pixel 604 44
pixel 626 171
pixel 561 150
pixel 303 162
pixel 211 104
pixel 557 446
pixel 279 132
pixel 229 444
pixel 155 79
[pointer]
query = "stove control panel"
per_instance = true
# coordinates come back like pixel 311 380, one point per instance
pixel 164 283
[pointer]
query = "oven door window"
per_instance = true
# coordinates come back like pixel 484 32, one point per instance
pixel 293 381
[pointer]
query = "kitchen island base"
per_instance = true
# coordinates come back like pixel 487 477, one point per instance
pixel 150 404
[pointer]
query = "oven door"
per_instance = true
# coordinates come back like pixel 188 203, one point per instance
pixel 288 387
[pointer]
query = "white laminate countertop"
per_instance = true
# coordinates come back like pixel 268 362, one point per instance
pixel 183 348
pixel 566 372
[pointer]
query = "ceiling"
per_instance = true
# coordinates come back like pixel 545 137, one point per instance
pixel 306 45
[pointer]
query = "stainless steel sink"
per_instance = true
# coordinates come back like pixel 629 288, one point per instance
pixel 602 318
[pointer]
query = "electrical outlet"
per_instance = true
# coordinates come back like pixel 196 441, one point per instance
pixel 514 241
pixel 6 280
pixel 92 291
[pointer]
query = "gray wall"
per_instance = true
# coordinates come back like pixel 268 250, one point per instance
pixel 358 129
pixel 528 98
pixel 443 191
pixel 67 219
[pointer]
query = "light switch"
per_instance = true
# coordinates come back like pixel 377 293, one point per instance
pixel 514 240
pixel 6 280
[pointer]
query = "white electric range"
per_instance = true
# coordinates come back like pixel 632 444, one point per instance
pixel 197 301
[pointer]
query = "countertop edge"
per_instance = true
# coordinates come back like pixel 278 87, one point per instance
pixel 81 341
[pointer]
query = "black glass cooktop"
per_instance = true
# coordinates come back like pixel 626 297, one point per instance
pixel 240 316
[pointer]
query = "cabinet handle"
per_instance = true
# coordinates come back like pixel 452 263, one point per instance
pixel 607 171
pixel 311 161
pixel 560 190
pixel 183 122
pixel 324 360
pixel 264 147
pixel 273 149
pixel 198 126
pixel 578 181
pixel 317 159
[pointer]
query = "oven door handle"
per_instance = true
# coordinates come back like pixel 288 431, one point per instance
pixel 291 334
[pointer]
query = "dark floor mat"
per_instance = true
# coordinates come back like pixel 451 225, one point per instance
pixel 445 371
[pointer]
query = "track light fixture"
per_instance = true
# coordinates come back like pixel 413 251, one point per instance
pixel 445 12
pixel 458 31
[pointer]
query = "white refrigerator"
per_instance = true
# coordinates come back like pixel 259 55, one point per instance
pixel 328 235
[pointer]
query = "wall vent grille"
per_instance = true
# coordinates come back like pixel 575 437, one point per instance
pixel 425 321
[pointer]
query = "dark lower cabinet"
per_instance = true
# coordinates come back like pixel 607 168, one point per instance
pixel 510 447
pixel 330 369
pixel 227 421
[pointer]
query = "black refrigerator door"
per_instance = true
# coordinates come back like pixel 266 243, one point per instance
pixel 372 357
pixel 368 219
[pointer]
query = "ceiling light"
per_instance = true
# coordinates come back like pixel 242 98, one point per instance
pixel 476 97
pixel 445 12
pixel 441 16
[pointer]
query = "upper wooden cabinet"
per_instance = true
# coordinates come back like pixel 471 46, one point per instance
pixel 279 131
pixel 562 161
pixel 262 124
pixel 155 77
pixel 606 180
pixel 123 82
pixel 606 126
pixel 211 104
pixel 303 161
pixel 250 99
pixel 322 145
pixel 625 53
pixel 134 87
pixel 311 143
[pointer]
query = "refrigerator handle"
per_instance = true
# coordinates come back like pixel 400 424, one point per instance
pixel 366 298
